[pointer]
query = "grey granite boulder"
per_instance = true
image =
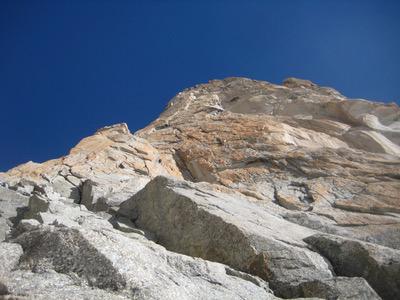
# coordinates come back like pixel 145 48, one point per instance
pixel 339 288
pixel 129 267
pixel 24 285
pixel 9 257
pixel 197 221
pixel 379 265
pixel 105 192
pixel 50 208
pixel 12 207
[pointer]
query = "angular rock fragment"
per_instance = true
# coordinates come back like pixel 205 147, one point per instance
pixel 12 208
pixel 379 265
pixel 49 208
pixel 343 288
pixel 105 192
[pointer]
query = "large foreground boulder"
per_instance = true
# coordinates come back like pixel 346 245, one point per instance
pixel 379 265
pixel 197 221
pixel 131 267
pixel 343 288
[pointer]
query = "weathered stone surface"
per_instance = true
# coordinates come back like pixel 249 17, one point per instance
pixel 112 156
pixel 379 265
pixel 109 191
pixel 292 159
pixel 52 286
pixel 9 257
pixel 48 208
pixel 343 288
pixel 302 146
pixel 27 225
pixel 12 207
pixel 132 267
pixel 195 220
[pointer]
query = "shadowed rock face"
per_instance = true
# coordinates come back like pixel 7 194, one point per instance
pixel 339 288
pixel 235 171
pixel 380 266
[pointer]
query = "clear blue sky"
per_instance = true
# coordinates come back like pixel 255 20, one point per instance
pixel 68 68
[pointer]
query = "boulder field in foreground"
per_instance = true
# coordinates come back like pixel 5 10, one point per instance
pixel 197 221
pixel 256 191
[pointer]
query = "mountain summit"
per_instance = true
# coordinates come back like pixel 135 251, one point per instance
pixel 241 189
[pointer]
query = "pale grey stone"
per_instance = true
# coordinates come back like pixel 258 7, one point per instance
pixel 104 192
pixel 53 286
pixel 27 225
pixel 132 267
pixel 9 257
pixel 12 207
pixel 194 220
pixel 65 188
pixel 59 212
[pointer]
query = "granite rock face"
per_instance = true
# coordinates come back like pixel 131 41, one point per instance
pixel 379 265
pixel 100 172
pixel 197 221
pixel 131 267
pixel 339 288
pixel 255 190
pixel 12 208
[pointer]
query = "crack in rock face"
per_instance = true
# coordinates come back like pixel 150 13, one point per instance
pixel 240 189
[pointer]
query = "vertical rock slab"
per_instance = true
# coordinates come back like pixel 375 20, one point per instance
pixel 197 221
pixel 12 207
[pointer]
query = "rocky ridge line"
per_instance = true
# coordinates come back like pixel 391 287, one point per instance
pixel 241 189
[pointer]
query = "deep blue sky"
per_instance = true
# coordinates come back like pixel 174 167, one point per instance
pixel 68 68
